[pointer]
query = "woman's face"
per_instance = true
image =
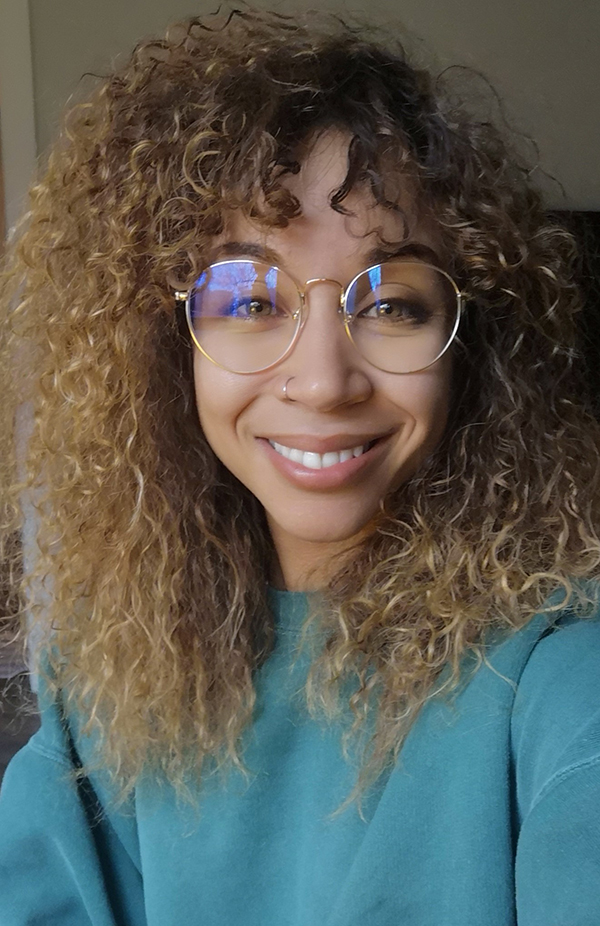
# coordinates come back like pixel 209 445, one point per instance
pixel 339 401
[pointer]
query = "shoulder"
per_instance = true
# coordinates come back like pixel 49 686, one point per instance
pixel 556 768
pixel 562 667
pixel 58 851
pixel 555 727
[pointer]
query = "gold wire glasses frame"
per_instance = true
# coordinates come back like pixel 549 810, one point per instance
pixel 300 314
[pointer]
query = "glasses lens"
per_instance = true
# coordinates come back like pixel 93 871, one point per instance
pixel 402 315
pixel 244 314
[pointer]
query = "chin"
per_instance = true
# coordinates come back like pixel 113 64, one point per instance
pixel 326 529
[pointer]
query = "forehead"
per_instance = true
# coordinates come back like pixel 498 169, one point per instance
pixel 323 170
pixel 364 223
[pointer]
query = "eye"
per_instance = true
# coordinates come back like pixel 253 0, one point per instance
pixel 251 308
pixel 394 309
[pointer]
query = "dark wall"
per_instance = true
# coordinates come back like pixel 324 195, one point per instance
pixel 586 228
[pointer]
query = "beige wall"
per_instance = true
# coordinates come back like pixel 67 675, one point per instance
pixel 542 55
pixel 17 127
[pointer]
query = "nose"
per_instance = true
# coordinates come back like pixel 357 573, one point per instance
pixel 328 370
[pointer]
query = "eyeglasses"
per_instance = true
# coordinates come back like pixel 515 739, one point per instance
pixel 246 316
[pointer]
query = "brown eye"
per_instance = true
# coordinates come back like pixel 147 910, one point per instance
pixel 258 308
pixel 249 308
pixel 397 310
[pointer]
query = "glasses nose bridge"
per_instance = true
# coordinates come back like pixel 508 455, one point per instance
pixel 332 282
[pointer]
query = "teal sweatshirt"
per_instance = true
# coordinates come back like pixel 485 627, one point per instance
pixel 491 817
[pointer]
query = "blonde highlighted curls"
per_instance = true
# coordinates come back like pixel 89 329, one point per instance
pixel 155 557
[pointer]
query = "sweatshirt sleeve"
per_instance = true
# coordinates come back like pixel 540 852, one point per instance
pixel 556 739
pixel 61 863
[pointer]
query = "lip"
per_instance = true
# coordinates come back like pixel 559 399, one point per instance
pixel 330 478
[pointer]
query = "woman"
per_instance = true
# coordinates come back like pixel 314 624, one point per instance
pixel 317 491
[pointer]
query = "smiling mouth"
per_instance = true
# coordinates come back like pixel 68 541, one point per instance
pixel 312 460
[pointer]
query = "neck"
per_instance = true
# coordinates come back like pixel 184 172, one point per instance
pixel 305 565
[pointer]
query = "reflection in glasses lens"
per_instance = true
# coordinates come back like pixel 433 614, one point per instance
pixel 244 315
pixel 401 315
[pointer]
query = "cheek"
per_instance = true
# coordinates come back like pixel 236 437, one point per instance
pixel 425 398
pixel 221 398
pixel 437 406
pixel 423 401
pixel 214 401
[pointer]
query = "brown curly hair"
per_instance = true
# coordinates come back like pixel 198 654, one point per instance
pixel 153 555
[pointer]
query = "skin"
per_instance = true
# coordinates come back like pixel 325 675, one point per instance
pixel 334 390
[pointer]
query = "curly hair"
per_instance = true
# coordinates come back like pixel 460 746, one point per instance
pixel 154 555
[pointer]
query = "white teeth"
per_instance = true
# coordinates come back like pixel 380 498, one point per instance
pixel 312 460
pixel 316 460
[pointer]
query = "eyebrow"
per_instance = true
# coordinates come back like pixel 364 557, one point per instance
pixel 378 255
pixel 410 249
